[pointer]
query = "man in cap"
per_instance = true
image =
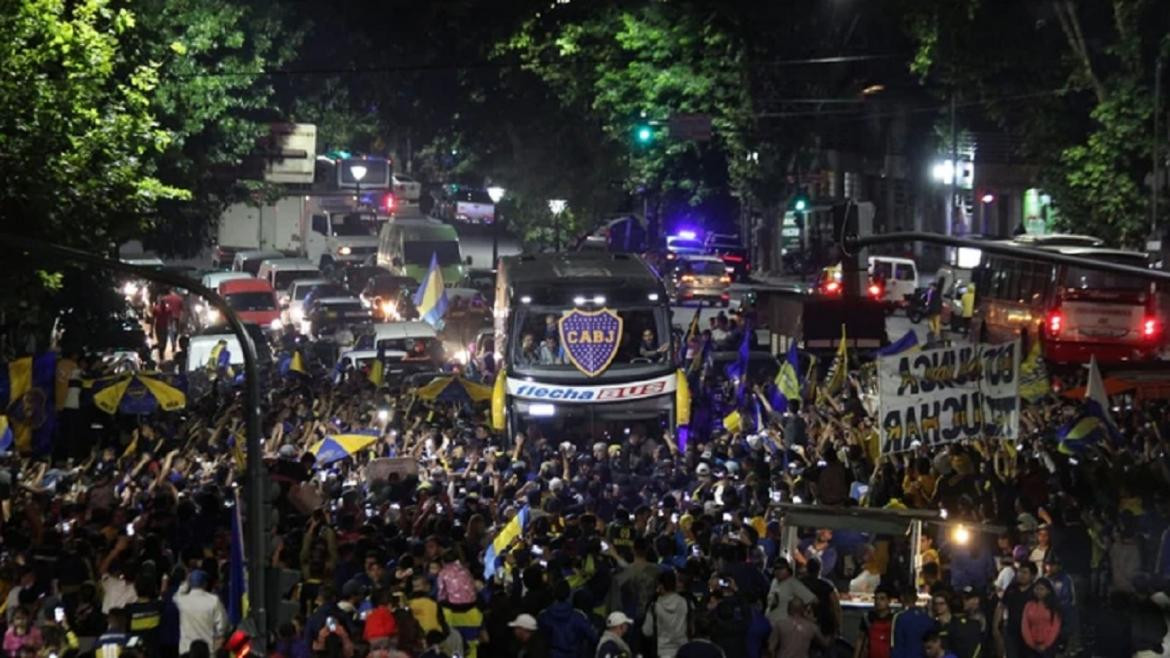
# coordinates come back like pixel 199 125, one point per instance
pixel 201 613
pixel 785 587
pixel 613 644
pixel 532 642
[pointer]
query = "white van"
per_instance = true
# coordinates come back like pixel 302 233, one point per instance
pixel 899 275
pixel 249 261
pixel 281 272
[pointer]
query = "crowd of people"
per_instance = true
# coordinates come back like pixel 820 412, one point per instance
pixel 622 546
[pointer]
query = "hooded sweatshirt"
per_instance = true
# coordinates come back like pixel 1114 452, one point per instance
pixel 569 633
pixel 667 620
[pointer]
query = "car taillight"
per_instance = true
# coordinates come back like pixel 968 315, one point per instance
pixel 832 287
pixel 875 291
pixel 1055 323
pixel 388 202
pixel 733 258
pixel 1150 327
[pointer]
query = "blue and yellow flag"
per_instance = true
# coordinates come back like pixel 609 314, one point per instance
pixel 377 374
pixel 908 342
pixel 508 534
pixel 27 387
pixel 296 364
pixel 431 298
pixel 1034 382
pixel 692 331
pixel 237 569
pixel 787 379
pixel 1089 428
pixel 682 399
pixel 6 439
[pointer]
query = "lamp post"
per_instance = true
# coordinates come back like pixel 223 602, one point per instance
pixel 556 207
pixel 495 193
pixel 358 171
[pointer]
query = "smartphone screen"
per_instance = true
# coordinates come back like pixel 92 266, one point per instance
pixel 331 623
pixel 59 614
pixel 129 529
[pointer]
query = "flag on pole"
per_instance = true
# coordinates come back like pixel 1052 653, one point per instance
pixel 739 368
pixel 237 569
pixel 297 364
pixel 733 422
pixel 431 298
pixel 1095 393
pixel 838 371
pixel 700 357
pixel 692 331
pixel 504 538
pixel 6 439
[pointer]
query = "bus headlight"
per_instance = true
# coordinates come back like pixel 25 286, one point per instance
pixel 542 410
pixel 276 325
pixel 296 314
pixel 212 315
pixel 461 356
pixel 344 250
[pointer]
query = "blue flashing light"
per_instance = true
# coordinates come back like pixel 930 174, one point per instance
pixel 686 234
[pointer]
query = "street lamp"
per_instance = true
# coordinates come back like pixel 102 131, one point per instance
pixel 556 207
pixel 495 193
pixel 358 171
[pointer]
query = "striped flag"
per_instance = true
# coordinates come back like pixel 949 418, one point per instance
pixel 908 342
pixel 431 298
pixel 838 371
pixel 504 538
pixel 787 380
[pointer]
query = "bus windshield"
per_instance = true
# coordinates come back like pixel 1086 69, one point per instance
pixel 351 226
pixel 1088 279
pixel 536 339
pixel 418 252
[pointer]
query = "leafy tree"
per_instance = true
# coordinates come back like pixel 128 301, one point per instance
pixel 1071 81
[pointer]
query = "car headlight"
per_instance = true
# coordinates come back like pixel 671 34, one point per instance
pixel 306 327
pixel 276 325
pixel 130 289
pixel 297 315
pixel 344 251
pixel 213 315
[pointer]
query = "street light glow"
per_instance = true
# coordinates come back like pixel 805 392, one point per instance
pixel 557 206
pixel 495 193
pixel 358 172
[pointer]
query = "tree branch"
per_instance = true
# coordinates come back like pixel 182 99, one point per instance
pixel 1070 23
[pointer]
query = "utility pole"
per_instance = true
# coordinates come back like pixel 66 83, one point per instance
pixel 1156 151
pixel 953 186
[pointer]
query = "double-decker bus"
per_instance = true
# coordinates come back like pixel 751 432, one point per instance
pixel 1077 311
pixel 585 341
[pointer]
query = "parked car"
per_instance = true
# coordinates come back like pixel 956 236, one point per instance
pixel 406 189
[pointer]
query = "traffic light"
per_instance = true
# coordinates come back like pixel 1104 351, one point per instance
pixel 644 133
pixel 800 203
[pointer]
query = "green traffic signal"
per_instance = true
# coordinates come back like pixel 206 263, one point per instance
pixel 800 203
pixel 644 134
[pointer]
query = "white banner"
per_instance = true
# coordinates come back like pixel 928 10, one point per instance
pixel 527 390
pixel 949 394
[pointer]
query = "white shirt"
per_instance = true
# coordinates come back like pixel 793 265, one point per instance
pixel 1005 578
pixel 201 617
pixel 116 593
pixel 780 592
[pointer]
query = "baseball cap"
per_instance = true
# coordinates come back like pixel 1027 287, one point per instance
pixel 702 469
pixel 527 622
pixel 617 619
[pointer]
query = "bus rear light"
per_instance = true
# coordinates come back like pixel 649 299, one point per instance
pixel 832 287
pixel 1150 328
pixel 1055 323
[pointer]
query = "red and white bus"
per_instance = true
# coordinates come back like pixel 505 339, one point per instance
pixel 1077 311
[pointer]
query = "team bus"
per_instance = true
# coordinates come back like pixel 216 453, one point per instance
pixel 1076 311
pixel 585 342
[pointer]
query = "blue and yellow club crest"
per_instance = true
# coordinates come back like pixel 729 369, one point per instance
pixel 590 339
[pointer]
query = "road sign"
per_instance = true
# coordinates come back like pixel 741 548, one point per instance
pixel 290 153
pixel 691 127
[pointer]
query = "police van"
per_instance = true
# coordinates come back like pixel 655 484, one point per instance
pixel 584 340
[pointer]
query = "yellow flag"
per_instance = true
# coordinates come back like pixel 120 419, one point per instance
pixel 839 370
pixel 297 364
pixel 500 400
pixel 1034 382
pixel 377 371
pixel 732 422
pixel 682 399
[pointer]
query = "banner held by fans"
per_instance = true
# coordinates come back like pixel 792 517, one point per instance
pixel 948 394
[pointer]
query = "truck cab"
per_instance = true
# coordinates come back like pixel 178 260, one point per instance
pixel 340 237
